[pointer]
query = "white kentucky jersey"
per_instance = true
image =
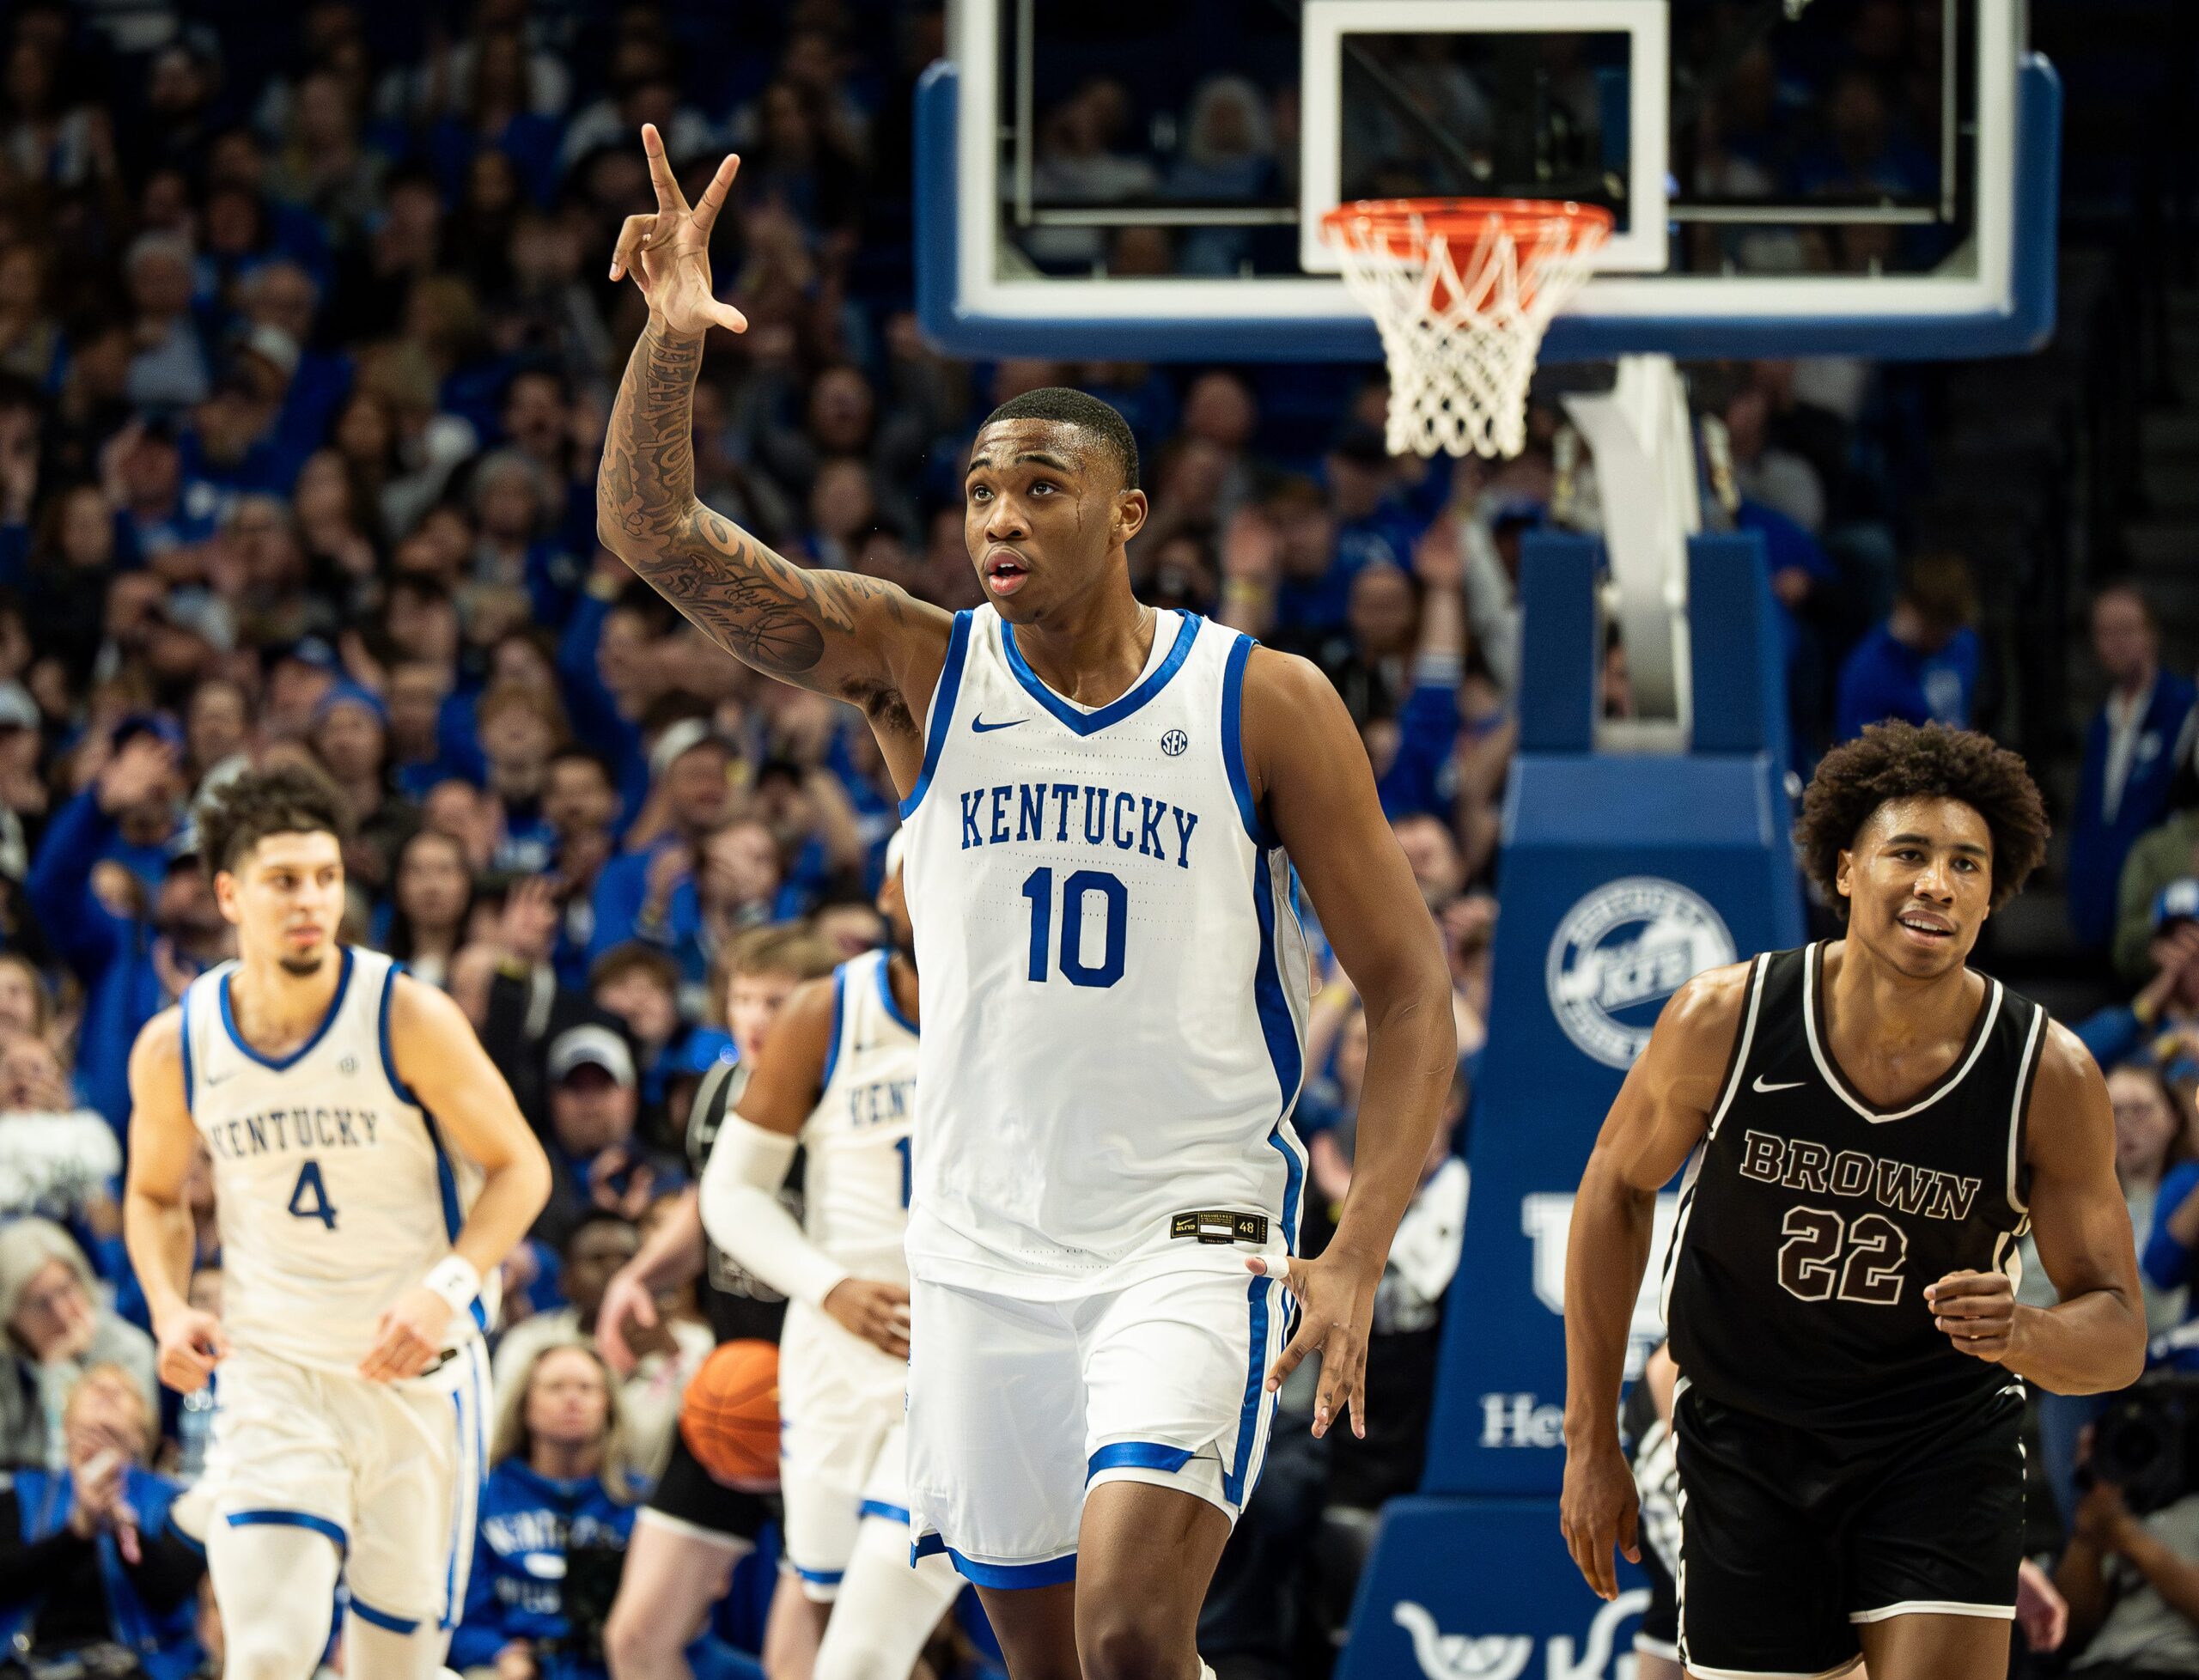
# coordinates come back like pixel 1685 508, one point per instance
pixel 1115 980
pixel 854 1185
pixel 337 1190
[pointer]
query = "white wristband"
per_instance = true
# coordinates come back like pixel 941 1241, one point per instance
pixel 454 1279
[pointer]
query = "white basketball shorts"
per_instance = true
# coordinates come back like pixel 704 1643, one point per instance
pixel 1017 1407
pixel 390 1472
pixel 843 1403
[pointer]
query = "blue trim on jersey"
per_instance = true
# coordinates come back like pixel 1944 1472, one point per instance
pixel 878 1507
pixel 1053 1573
pixel 1280 1028
pixel 381 1031
pixel 395 1624
pixel 275 1064
pixel 446 1177
pixel 885 995
pixel 446 1187
pixel 1137 1455
pixel 1233 740
pixel 1088 723
pixel 942 709
pixel 277 1518
pixel 820 1577
pixel 462 1438
pixel 190 1082
pixel 839 1014
pixel 1234 1481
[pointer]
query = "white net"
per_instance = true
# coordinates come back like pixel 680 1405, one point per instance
pixel 1462 291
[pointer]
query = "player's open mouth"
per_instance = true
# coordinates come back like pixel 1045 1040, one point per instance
pixel 1931 929
pixel 1004 571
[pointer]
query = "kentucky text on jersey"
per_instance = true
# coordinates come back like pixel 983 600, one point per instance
pixel 1123 821
pixel 1801 1165
pixel 876 1104
pixel 283 1131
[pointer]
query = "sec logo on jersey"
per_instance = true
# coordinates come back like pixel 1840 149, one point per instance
pixel 1620 953
pixel 1174 742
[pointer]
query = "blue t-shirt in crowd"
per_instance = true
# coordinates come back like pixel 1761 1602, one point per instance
pixel 1885 678
pixel 2101 838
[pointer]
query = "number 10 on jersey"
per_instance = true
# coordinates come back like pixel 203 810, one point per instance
pixel 1076 894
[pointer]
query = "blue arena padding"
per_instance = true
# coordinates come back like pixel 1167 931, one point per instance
pixel 1623 875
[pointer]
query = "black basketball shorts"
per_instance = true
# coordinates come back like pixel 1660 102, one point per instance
pixel 1791 1540
pixel 689 1500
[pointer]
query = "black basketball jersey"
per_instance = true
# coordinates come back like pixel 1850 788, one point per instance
pixel 1812 1220
pixel 738 1304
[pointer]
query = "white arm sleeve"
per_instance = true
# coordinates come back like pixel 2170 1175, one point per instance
pixel 742 1211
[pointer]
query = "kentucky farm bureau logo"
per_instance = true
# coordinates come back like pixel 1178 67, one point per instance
pixel 1444 1656
pixel 1620 953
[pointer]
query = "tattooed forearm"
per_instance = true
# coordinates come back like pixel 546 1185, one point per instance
pixel 764 610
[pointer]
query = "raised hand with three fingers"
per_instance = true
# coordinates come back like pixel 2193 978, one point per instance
pixel 669 252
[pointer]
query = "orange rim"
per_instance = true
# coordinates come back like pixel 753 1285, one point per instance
pixel 1409 221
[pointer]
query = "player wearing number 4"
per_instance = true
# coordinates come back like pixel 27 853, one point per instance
pixel 372 1170
pixel 1869 1126
pixel 1105 803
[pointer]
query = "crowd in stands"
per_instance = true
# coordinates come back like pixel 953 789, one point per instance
pixel 306 351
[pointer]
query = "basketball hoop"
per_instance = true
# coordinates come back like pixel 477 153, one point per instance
pixel 1462 290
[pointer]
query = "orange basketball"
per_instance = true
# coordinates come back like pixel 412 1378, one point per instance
pixel 729 1416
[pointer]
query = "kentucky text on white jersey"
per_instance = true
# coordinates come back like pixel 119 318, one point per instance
pixel 1115 980
pixel 337 1190
pixel 856 1184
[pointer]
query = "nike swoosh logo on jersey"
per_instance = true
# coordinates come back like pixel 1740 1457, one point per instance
pixel 979 727
pixel 1791 1085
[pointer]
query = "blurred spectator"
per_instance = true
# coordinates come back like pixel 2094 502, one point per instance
pixel 324 165
pixel 58 1161
pixel 495 113
pixel 134 947
pixel 635 894
pixel 580 804
pixel 2132 1583
pixel 168 366
pixel 556 1510
pixel 758 971
pixel 431 895
pixel 56 1332
pixel 2136 740
pixel 1081 160
pixel 2154 1144
pixel 1921 665
pixel 2167 1005
pixel 520 726
pixel 1765 473
pixel 1227 157
pixel 350 736
pixel 2150 894
pixel 596 1162
pixel 142 472
pixel 639 985
pixel 93 1572
pixel 665 1353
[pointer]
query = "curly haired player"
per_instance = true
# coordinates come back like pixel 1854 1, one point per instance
pixel 1873 1125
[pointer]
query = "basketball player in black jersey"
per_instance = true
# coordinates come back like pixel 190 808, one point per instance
pixel 1870 1127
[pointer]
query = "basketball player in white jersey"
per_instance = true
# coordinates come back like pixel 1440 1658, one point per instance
pixel 1106 804
pixel 372 1170
pixel 837 1079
